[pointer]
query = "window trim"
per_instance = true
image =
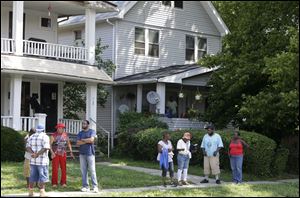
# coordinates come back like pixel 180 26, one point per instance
pixel 157 44
pixel 140 41
pixel 197 38
pixel 46 28
pixel 75 34
pixel 188 35
pixel 196 49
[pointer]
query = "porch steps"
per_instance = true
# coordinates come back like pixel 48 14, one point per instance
pixel 75 149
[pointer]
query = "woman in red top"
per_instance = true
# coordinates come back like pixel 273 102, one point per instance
pixel 236 153
pixel 59 142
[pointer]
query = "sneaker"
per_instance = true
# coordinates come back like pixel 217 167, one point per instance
pixel 54 186
pixel 64 185
pixel 30 194
pixel 204 181
pixel 42 193
pixel 218 181
pixel 173 184
pixel 95 190
pixel 185 183
pixel 180 183
pixel 85 189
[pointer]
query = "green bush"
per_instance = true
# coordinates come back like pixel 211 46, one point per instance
pixel 129 124
pixel 257 160
pixel 12 145
pixel 280 160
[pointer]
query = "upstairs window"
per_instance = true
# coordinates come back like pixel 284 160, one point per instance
pixel 78 34
pixel 189 48
pixel 202 47
pixel 167 3
pixel 153 43
pixel 139 41
pixel 46 22
pixel 178 4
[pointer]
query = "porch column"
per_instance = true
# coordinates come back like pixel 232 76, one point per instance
pixel 18 7
pixel 91 104
pixel 139 98
pixel 15 100
pixel 161 90
pixel 90 26
pixel 41 119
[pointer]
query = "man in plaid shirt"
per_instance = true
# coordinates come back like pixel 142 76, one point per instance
pixel 38 145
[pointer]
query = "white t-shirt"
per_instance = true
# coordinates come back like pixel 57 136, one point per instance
pixel 166 146
pixel 184 145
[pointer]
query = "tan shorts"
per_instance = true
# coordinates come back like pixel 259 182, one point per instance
pixel 26 171
pixel 211 163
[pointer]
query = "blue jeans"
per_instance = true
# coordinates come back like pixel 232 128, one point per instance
pixel 171 170
pixel 39 173
pixel 236 163
pixel 88 162
pixel 183 161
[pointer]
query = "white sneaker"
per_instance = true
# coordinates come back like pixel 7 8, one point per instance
pixel 96 190
pixel 85 189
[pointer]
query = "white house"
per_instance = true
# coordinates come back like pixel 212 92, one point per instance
pixel 34 63
pixel 154 45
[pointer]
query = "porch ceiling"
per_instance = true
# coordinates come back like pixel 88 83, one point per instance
pixel 51 68
pixel 179 74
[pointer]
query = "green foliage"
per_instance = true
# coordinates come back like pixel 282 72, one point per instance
pixel 258 70
pixel 280 161
pixel 129 124
pixel 12 145
pixel 257 160
pixel 75 93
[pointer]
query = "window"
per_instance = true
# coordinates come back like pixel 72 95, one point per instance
pixel 46 22
pixel 167 3
pixel 202 47
pixel 139 41
pixel 153 43
pixel 178 4
pixel 77 34
pixel 189 48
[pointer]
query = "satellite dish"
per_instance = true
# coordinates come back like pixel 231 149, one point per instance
pixel 152 97
pixel 123 108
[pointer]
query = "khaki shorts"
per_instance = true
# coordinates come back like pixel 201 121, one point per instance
pixel 211 163
pixel 26 170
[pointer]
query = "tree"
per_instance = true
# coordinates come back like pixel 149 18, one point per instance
pixel 256 85
pixel 75 93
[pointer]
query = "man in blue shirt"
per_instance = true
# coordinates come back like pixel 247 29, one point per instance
pixel 211 144
pixel 85 141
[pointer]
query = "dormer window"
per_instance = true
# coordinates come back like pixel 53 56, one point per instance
pixel 173 4
pixel 45 22
pixel 139 41
pixel 78 35
pixel 178 4
pixel 167 3
pixel 195 48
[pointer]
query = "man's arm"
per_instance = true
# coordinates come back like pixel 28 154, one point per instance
pixel 89 140
pixel 29 150
pixel 35 155
pixel 80 142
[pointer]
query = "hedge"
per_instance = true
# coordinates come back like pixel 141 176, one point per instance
pixel 257 160
pixel 12 145
pixel 280 160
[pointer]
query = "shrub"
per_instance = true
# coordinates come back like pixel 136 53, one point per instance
pixel 129 124
pixel 280 160
pixel 257 160
pixel 12 145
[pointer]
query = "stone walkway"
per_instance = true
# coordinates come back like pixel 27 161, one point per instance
pixel 194 179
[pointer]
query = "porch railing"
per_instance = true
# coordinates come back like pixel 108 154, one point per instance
pixel 28 122
pixel 7 46
pixel 54 50
pixel 72 126
pixel 6 121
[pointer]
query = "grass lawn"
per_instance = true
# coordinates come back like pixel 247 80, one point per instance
pixel 226 175
pixel 244 190
pixel 12 180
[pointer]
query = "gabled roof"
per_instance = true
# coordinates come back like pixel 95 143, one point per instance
pixel 125 6
pixel 170 74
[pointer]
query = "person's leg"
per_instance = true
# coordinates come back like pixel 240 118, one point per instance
pixel 180 168
pixel 206 169
pixel 32 179
pixel 164 174
pixel 26 171
pixel 239 168
pixel 215 167
pixel 63 167
pixel 84 173
pixel 171 171
pixel 43 178
pixel 92 168
pixel 55 165
pixel 185 168
pixel 232 165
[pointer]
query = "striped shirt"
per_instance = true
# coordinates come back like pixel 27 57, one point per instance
pixel 37 142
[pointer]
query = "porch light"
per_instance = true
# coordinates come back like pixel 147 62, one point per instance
pixel 198 95
pixel 181 94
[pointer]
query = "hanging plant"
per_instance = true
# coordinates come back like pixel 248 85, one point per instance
pixel 181 94
pixel 198 95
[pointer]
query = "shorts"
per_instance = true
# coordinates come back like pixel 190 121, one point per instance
pixel 211 163
pixel 39 173
pixel 26 170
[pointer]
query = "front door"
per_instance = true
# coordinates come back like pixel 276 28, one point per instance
pixel 49 104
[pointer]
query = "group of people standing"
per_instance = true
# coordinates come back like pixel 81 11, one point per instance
pixel 211 145
pixel 38 145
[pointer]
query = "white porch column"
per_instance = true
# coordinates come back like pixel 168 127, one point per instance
pixel 41 119
pixel 91 104
pixel 18 7
pixel 90 26
pixel 139 98
pixel 161 90
pixel 15 100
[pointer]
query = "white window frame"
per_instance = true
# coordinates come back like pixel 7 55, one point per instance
pixel 195 48
pixel 45 28
pixel 173 5
pixel 139 41
pixel 189 61
pixel 148 43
